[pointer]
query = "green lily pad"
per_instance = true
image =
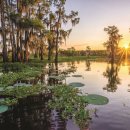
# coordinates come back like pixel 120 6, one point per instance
pixel 77 76
pixel 95 99
pixel 76 84
pixel 3 108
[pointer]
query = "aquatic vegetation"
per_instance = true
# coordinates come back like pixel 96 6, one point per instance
pixel 7 79
pixel 21 84
pixel 3 108
pixel 77 76
pixel 60 77
pixel 66 100
pixel 24 91
pixel 19 92
pixel 8 101
pixel 1 89
pixel 95 99
pixel 76 84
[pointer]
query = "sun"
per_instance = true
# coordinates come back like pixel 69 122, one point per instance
pixel 126 46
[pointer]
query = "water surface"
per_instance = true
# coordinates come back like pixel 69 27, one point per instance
pixel 110 80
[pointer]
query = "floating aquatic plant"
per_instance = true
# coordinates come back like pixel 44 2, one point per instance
pixel 77 76
pixel 95 99
pixel 76 84
pixel 3 108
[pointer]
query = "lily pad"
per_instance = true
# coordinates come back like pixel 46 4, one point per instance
pixel 3 108
pixel 77 76
pixel 95 99
pixel 76 84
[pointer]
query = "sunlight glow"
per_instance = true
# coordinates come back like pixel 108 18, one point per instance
pixel 126 46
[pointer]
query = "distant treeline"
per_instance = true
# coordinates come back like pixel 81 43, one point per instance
pixel 83 53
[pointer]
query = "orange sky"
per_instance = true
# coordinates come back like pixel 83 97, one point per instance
pixel 94 16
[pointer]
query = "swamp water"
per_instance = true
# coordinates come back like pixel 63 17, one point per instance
pixel 109 80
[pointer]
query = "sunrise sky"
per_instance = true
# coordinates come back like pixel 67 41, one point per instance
pixel 94 16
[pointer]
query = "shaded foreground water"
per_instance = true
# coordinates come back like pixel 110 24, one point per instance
pixel 110 80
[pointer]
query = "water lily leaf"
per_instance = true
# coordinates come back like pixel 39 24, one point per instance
pixel 95 99
pixel 3 108
pixel 77 76
pixel 76 84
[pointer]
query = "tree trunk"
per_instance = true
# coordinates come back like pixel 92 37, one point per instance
pixel 49 50
pixel 56 55
pixel 41 54
pixel 112 53
pixel 26 47
pixel 2 11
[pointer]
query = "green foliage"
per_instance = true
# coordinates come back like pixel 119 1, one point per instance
pixel 8 101
pixel 60 77
pixel 14 16
pixel 24 91
pixel 28 2
pixel 66 100
pixel 27 23
pixel 10 78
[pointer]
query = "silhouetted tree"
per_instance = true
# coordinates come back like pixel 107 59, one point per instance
pixel 113 41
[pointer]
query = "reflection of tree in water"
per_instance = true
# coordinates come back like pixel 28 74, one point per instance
pixel 112 75
pixel 55 71
pixel 88 65
pixel 32 114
